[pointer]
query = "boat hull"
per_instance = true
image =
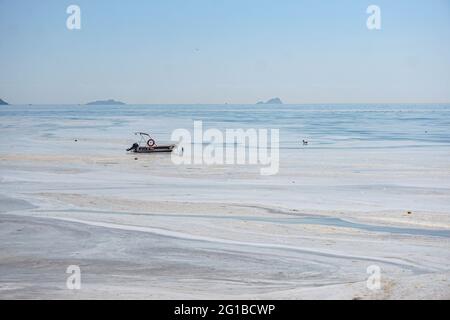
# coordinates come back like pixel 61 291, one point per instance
pixel 161 148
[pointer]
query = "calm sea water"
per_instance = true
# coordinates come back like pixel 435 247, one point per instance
pixel 362 157
pixel 325 126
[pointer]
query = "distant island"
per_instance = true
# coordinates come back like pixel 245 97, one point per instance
pixel 3 102
pixel 271 101
pixel 109 102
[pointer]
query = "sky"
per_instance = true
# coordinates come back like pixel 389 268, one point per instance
pixel 225 51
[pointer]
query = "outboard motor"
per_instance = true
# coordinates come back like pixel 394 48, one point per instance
pixel 133 147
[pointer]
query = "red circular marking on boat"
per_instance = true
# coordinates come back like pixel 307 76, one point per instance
pixel 151 143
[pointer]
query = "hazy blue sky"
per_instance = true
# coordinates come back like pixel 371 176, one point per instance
pixel 217 51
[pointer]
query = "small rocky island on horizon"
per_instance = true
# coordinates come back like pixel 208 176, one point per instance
pixel 2 102
pixel 271 101
pixel 109 102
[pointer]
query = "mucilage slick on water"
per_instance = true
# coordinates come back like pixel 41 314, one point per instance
pixel 147 144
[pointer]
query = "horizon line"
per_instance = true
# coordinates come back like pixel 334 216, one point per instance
pixel 223 104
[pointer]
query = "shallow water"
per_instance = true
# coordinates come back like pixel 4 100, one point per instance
pixel 226 229
pixel 359 157
pixel 326 126
pixel 308 220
